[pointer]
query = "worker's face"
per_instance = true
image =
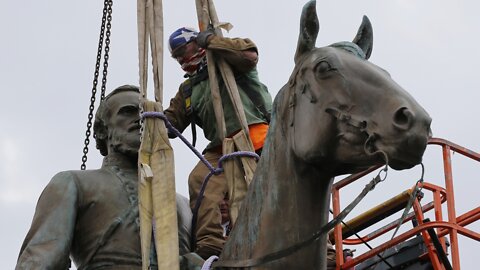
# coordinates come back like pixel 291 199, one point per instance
pixel 124 122
pixel 224 210
pixel 189 56
pixel 185 53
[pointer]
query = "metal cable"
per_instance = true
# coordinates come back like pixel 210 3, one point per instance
pixel 106 17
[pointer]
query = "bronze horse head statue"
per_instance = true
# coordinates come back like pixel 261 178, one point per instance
pixel 337 114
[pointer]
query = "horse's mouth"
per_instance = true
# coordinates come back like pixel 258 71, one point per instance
pixel 398 164
pixel 398 158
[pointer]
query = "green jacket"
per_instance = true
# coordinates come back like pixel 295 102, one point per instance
pixel 247 79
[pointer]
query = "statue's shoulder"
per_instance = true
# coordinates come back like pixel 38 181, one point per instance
pixel 182 200
pixel 75 176
pixel 68 183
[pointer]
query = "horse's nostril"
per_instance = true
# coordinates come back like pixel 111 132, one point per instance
pixel 402 118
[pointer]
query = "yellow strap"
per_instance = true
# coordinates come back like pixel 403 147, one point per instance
pixel 238 177
pixel 157 203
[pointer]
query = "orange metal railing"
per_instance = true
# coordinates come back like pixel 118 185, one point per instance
pixel 453 226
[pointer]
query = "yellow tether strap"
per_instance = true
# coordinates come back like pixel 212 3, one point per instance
pixel 156 165
pixel 238 176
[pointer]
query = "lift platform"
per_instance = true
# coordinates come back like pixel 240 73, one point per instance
pixel 425 245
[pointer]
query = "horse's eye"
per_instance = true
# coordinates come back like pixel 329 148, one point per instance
pixel 323 67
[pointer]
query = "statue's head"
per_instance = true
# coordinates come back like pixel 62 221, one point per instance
pixel 117 122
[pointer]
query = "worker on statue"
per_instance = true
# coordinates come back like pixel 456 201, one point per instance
pixel 91 216
pixel 193 105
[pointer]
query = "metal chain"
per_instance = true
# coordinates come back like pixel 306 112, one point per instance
pixel 107 9
pixel 416 191
pixel 107 49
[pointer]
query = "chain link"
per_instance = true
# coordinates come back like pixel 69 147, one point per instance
pixel 417 190
pixel 385 173
pixel 107 49
pixel 107 16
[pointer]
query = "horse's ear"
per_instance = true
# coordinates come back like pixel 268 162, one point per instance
pixel 364 38
pixel 308 30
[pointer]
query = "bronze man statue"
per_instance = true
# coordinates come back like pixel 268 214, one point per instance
pixel 91 216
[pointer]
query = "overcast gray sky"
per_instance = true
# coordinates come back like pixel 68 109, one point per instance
pixel 48 52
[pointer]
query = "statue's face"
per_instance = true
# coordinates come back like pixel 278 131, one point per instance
pixel 124 122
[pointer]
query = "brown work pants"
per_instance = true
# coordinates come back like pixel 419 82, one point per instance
pixel 209 231
pixel 331 256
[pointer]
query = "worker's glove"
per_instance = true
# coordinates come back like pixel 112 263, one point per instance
pixel 348 254
pixel 202 38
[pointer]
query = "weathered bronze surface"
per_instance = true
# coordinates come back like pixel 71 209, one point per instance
pixel 337 114
pixel 92 215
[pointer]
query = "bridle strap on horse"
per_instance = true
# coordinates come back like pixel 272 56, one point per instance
pixel 347 118
pixel 324 229
pixel 362 125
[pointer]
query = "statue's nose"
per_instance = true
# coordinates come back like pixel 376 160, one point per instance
pixel 403 118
